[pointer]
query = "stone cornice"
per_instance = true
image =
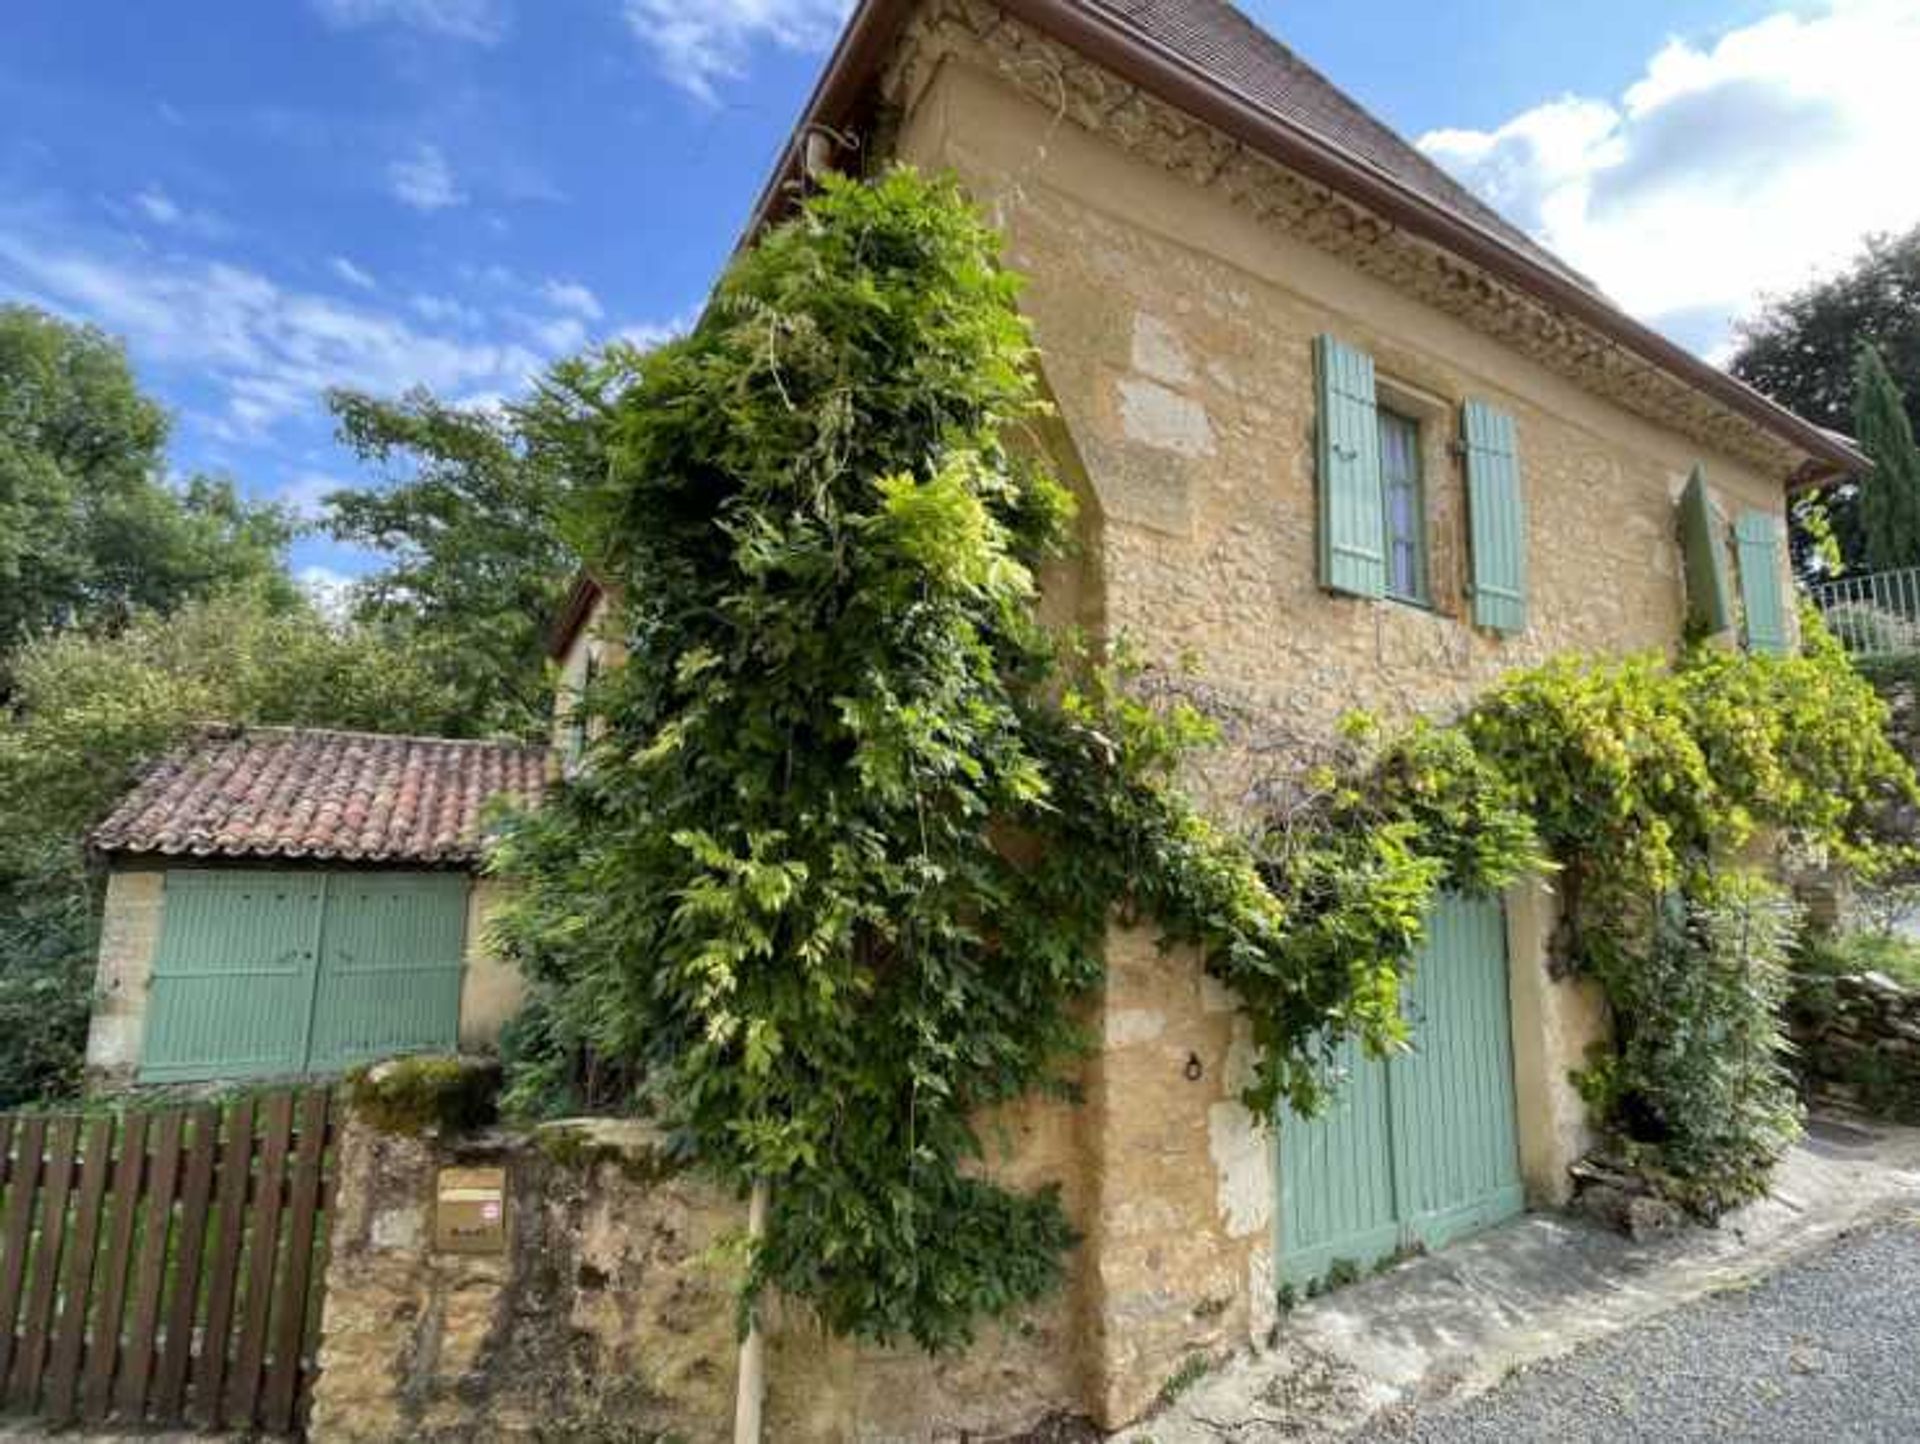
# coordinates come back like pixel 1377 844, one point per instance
pixel 1098 101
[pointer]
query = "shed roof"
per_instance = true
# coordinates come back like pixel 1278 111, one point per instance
pixel 320 795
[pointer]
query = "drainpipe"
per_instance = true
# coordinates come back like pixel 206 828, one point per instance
pixel 750 1396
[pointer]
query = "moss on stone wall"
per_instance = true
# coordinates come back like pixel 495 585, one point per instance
pixel 412 1096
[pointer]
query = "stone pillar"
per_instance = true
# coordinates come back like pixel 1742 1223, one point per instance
pixel 123 980
pixel 1555 1021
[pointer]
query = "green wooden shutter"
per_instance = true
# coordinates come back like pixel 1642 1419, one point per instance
pixel 1709 605
pixel 1353 524
pixel 232 976
pixel 390 967
pixel 1497 515
pixel 1757 537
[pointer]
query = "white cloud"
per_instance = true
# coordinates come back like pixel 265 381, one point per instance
pixel 572 296
pixel 329 590
pixel 351 274
pixel 424 180
pixel 153 203
pixel 305 495
pixel 444 310
pixel 269 350
pixel 647 334
pixel 697 45
pixel 1727 170
pixel 482 21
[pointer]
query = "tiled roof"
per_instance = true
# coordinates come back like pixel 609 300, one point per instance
pixel 308 793
pixel 1241 56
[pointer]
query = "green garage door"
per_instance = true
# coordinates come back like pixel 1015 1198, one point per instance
pixel 1422 1148
pixel 261 974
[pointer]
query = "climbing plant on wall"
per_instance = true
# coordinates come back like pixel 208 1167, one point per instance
pixel 844 854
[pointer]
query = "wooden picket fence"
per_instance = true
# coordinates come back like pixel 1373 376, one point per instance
pixel 164 1267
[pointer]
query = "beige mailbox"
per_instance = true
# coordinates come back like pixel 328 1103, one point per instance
pixel 470 1210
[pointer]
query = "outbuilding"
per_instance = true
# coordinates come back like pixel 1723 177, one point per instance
pixel 294 901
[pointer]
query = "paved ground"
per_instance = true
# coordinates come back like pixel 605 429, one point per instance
pixel 1516 1309
pixel 1827 1349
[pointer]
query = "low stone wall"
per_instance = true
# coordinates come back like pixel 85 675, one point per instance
pixel 610 1314
pixel 1859 1044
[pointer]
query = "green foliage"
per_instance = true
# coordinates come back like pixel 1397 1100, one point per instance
pixel 1889 496
pixel 1645 781
pixel 846 848
pixel 419 1095
pixel 1801 350
pixel 1852 954
pixel 472 521
pixel 1356 854
pixel 90 533
pixel 87 713
pixel 1696 1090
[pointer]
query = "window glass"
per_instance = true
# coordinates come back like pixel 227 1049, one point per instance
pixel 1405 508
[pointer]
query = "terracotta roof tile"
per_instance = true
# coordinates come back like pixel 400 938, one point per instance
pixel 298 792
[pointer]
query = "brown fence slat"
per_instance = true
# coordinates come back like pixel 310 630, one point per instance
pixel 136 1365
pixel 63 1369
pixel 171 1382
pixel 36 1324
pixel 6 1148
pixel 96 1392
pixel 236 1165
pixel 303 1207
pixel 262 1251
pixel 16 1235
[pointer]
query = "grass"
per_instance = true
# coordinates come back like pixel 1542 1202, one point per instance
pixel 1850 954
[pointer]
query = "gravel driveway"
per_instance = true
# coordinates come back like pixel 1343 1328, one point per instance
pixel 1827 1349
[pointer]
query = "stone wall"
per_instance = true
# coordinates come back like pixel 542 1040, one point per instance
pixel 1859 1044
pixel 611 1314
pixel 1175 312
pixel 129 936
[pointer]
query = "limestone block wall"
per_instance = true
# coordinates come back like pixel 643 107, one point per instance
pixel 1858 1042
pixel 1175 318
pixel 611 1314
pixel 129 935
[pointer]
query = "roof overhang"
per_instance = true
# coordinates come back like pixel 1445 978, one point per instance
pixel 1114 43
pixel 573 615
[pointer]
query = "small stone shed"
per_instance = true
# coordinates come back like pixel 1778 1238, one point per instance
pixel 295 901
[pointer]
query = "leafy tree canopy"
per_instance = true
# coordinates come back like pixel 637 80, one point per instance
pixel 1801 350
pixel 472 521
pixel 1888 498
pixel 90 532
pixel 88 711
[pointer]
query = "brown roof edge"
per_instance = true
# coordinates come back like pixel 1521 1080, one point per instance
pixel 572 615
pixel 1110 41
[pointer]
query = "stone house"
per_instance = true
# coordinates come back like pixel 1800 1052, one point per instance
pixel 284 901
pixel 1350 439
pixel 1347 438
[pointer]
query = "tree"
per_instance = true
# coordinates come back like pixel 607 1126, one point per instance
pixel 844 855
pixel 1801 348
pixel 90 533
pixel 1889 496
pixel 473 521
pixel 88 711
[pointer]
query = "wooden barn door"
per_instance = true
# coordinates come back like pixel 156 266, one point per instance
pixel 1422 1148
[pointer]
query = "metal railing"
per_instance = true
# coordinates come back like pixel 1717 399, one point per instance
pixel 1876 614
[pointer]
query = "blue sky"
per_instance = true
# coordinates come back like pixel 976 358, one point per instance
pixel 269 198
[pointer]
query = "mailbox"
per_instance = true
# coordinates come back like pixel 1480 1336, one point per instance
pixel 470 1211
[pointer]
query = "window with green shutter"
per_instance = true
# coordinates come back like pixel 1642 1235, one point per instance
pixel 1496 517
pixel 1703 545
pixel 1353 530
pixel 1756 536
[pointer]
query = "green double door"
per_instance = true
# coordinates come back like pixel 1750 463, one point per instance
pixel 1421 1148
pixel 266 973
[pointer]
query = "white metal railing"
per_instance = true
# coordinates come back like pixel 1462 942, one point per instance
pixel 1876 614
